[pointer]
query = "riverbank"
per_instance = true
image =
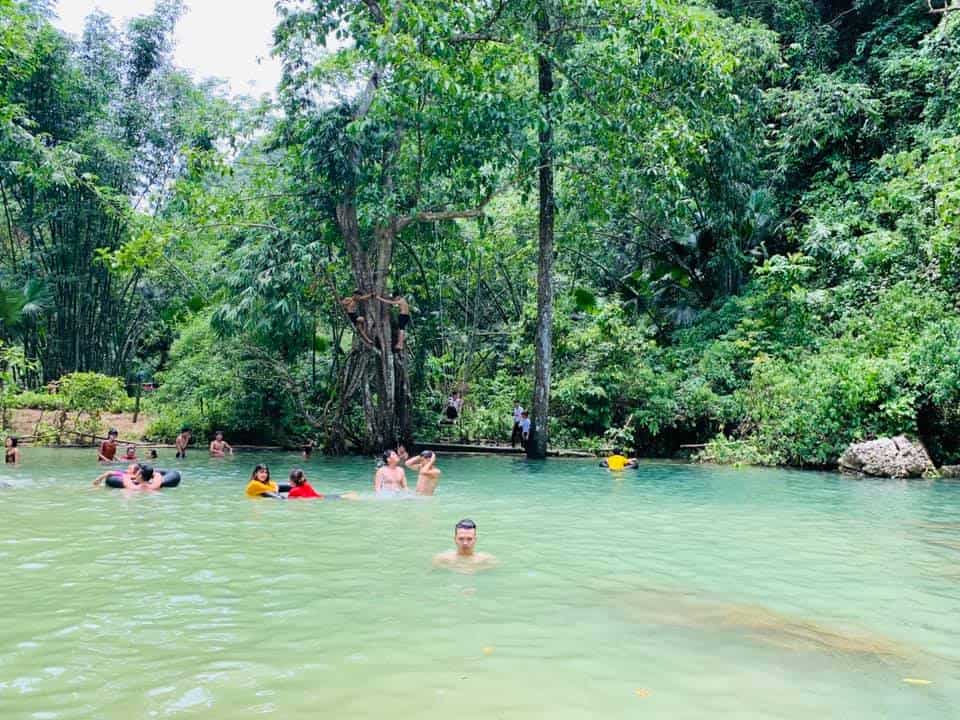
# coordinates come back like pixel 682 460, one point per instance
pixel 24 423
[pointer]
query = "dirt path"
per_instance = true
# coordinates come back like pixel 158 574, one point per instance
pixel 25 421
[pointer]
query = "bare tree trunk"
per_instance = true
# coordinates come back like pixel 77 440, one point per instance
pixel 539 435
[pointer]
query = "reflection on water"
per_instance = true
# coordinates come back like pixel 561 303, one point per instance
pixel 757 623
pixel 672 591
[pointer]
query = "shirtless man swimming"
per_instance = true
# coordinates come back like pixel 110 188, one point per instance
pixel 428 475
pixel 391 477
pixel 218 446
pixel 465 558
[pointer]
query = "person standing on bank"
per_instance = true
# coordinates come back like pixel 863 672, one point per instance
pixel 524 429
pixel 517 432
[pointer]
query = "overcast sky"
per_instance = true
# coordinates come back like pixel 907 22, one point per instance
pixel 229 39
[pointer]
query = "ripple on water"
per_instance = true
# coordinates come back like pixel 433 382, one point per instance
pixel 719 592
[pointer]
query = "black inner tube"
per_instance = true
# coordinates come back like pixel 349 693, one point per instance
pixel 171 479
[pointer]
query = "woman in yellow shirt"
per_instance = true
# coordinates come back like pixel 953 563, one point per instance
pixel 261 485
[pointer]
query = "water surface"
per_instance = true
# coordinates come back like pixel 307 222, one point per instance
pixel 672 591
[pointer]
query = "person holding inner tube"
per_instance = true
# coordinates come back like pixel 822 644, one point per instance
pixel 126 477
pixel 139 477
pixel 261 485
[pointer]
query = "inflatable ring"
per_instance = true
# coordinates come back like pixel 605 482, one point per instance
pixel 171 478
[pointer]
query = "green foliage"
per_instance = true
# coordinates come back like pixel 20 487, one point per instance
pixel 91 393
pixel 722 450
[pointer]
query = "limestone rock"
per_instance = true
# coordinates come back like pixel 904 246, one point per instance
pixel 896 457
pixel 950 471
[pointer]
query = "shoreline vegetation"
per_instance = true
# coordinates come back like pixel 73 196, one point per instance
pixel 734 232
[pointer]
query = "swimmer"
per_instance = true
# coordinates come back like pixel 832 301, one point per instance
pixel 261 485
pixel 307 449
pixel 127 477
pixel 390 478
pixel 131 453
pixel 146 479
pixel 301 488
pixel 465 558
pixel 108 448
pixel 218 445
pixel 153 454
pixel 618 461
pixel 11 455
pixel 182 441
pixel 428 475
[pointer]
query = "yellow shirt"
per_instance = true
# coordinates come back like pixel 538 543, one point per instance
pixel 617 462
pixel 257 488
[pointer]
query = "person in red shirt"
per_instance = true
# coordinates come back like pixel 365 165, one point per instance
pixel 301 488
pixel 108 448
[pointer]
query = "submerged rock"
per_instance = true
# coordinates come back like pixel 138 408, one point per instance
pixel 896 457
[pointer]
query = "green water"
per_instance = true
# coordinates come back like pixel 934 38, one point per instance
pixel 720 592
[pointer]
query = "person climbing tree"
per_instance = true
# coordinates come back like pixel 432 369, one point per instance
pixel 352 307
pixel 402 320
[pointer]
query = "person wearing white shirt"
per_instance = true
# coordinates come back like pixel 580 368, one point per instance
pixel 517 419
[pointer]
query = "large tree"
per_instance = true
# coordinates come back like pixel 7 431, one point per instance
pixel 403 121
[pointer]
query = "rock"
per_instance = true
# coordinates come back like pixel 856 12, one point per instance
pixel 950 471
pixel 886 457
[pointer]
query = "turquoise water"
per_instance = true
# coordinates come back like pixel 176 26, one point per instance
pixel 716 593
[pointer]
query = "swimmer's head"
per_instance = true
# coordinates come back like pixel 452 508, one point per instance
pixel 112 433
pixel 131 450
pixel 427 454
pixel 297 477
pixel 390 457
pixel 261 473
pixel 153 454
pixel 11 441
pixel 465 536
pixel 146 473
pixel 218 435
pixel 133 469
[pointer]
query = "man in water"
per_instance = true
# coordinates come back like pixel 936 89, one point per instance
pixel 108 448
pixel 428 474
pixel 218 445
pixel 465 558
pixel 390 477
pixel 182 441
